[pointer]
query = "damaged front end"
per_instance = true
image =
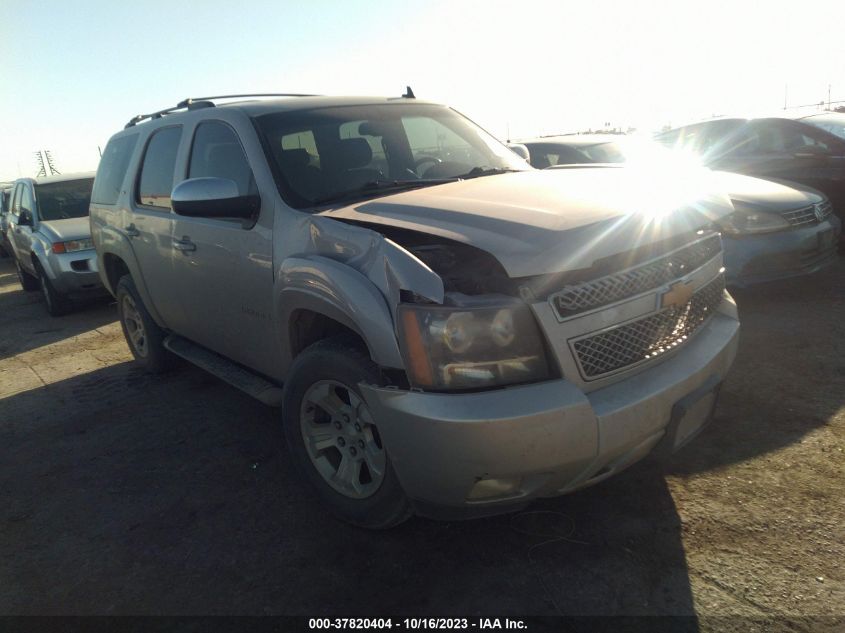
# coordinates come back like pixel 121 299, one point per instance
pixel 458 318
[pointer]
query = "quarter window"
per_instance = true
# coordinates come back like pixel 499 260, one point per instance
pixel 217 153
pixel 112 170
pixel 156 182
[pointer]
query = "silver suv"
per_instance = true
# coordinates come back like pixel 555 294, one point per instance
pixel 447 330
pixel 50 239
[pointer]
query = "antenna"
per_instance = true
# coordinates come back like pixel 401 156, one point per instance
pixel 409 94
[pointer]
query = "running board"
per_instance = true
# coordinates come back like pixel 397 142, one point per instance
pixel 234 374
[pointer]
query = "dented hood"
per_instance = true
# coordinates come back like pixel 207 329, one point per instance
pixel 537 222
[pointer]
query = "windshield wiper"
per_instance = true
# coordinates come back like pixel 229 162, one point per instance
pixel 475 172
pixel 382 186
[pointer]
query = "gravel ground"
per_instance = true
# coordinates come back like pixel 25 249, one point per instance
pixel 123 493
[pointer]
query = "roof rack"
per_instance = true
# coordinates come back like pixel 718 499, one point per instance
pixel 195 103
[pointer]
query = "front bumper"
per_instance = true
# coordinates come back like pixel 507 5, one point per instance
pixel 771 256
pixel 75 274
pixel 543 439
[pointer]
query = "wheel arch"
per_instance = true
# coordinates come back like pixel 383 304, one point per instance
pixel 321 296
pixel 116 258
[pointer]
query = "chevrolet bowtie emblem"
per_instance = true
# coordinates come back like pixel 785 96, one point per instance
pixel 679 294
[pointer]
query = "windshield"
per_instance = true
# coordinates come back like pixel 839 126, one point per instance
pixel 637 151
pixel 63 200
pixel 602 153
pixel 835 124
pixel 336 154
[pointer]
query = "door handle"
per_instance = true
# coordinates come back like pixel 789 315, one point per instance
pixel 131 231
pixel 184 245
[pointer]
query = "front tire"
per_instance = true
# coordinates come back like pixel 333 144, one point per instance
pixel 143 335
pixel 28 282
pixel 334 438
pixel 57 304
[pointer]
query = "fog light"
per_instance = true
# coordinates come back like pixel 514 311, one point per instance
pixel 495 488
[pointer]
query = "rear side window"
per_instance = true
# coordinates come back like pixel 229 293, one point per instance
pixel 217 153
pixel 112 170
pixel 156 181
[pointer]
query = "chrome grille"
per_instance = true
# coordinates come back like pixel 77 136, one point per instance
pixel 626 345
pixel 577 298
pixel 806 216
pixel 824 210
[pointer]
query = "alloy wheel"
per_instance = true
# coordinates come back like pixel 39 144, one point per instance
pixel 134 325
pixel 342 440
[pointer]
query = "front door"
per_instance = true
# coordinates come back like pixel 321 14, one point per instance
pixel 21 235
pixel 223 268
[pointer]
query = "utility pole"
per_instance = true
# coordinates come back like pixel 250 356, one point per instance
pixel 828 96
pixel 42 171
pixel 45 163
pixel 785 93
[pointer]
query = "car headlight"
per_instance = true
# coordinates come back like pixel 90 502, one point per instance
pixel 73 245
pixel 448 348
pixel 748 222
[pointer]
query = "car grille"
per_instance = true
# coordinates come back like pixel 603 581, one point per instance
pixel 809 215
pixel 577 298
pixel 632 343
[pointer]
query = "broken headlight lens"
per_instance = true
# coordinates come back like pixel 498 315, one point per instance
pixel 458 348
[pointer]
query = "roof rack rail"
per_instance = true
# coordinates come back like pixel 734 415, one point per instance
pixel 254 94
pixel 196 103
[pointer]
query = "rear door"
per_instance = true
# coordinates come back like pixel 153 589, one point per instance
pixel 149 224
pixel 222 267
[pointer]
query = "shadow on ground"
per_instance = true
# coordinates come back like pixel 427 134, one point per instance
pixel 789 377
pixel 42 329
pixel 173 494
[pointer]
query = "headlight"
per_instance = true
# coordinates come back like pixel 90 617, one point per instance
pixel 73 245
pixel 747 221
pixel 450 348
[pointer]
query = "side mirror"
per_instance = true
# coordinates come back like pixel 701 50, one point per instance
pixel 25 218
pixel 521 150
pixel 212 198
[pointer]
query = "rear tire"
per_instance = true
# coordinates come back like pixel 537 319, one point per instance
pixel 143 335
pixel 28 282
pixel 337 449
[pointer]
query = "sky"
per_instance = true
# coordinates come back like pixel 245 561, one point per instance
pixel 73 72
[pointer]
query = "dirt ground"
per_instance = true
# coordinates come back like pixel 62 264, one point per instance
pixel 122 493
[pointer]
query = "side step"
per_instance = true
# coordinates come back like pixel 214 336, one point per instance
pixel 234 374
